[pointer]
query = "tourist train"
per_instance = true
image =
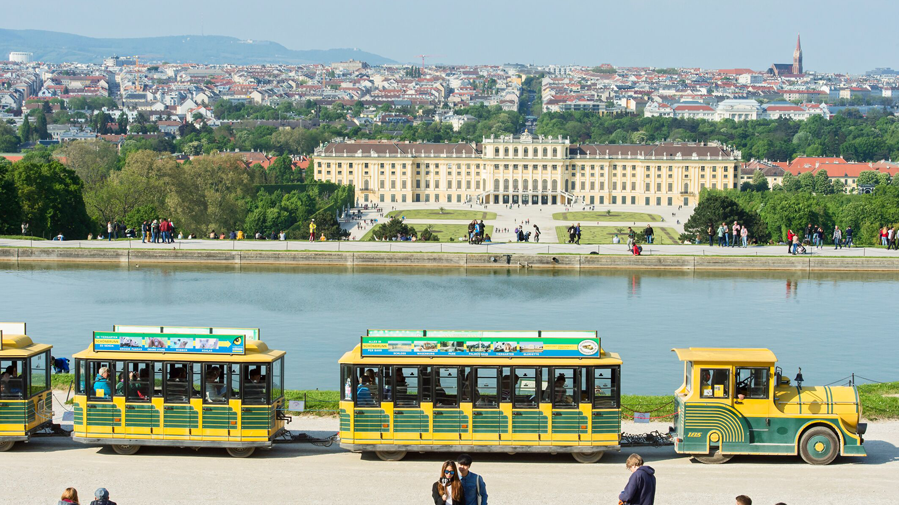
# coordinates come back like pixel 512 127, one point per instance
pixel 416 390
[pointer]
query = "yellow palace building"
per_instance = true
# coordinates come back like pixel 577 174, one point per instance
pixel 528 170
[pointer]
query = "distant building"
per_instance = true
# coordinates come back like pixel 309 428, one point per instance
pixel 20 57
pixel 787 69
pixel 349 66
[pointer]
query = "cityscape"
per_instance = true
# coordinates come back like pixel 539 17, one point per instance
pixel 254 261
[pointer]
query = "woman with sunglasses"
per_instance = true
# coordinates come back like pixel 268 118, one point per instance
pixel 448 488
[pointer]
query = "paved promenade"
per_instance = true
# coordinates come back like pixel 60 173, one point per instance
pixel 494 248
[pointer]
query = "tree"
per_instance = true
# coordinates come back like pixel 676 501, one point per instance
pixel 25 130
pixel 714 209
pixel 9 141
pixel 40 125
pixel 806 182
pixel 790 183
pixel 92 160
pixel 123 122
pixel 50 195
pixel 282 172
pixel 10 208
pixel 823 186
pixel 872 177
pixel 759 181
pixel 209 193
pixel 838 186
pixel 393 228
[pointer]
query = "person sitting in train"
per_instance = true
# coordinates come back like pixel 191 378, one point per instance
pixel 363 394
pixel 215 390
pixel 102 389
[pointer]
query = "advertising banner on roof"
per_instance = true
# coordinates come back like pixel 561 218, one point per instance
pixel 248 333
pixel 464 343
pixel 116 341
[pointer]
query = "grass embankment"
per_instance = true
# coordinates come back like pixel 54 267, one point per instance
pixel 604 234
pixel 879 401
pixel 447 214
pixel 619 217
pixel 21 237
pixel 446 232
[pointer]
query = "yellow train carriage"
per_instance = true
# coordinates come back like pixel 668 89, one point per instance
pixel 25 398
pixel 185 390
pixel 735 401
pixel 474 391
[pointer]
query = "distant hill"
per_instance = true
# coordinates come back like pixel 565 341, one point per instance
pixel 57 47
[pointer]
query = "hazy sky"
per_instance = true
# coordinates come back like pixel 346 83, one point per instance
pixel 837 35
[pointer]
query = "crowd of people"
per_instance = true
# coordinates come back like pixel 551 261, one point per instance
pixel 733 236
pixel 477 232
pixel 70 497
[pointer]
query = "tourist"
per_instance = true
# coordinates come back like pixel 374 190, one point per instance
pixel 631 237
pixel 536 234
pixel 90 236
pixel 102 497
pixel 790 241
pixel 312 228
pixel 744 500
pixel 820 234
pixel 726 235
pixel 848 234
pixel 722 231
pixel 109 229
pixel 577 234
pixel 796 244
pixel 808 233
pixel 24 228
pixel 323 238
pixel 736 229
pixel 70 495
pixel 883 236
pixel 615 239
pixel 143 232
pixel 711 233
pixel 240 235
pixel 448 488
pixel 837 238
pixel 115 228
pixel 474 490
pixel 641 486
pixel 744 235
pixel 59 237
pixel 891 238
pixel 282 235
pixel 648 233
pixel 101 384
pixel 637 250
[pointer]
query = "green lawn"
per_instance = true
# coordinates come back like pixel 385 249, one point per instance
pixel 21 237
pixel 879 401
pixel 446 232
pixel 467 215
pixel 603 234
pixel 621 217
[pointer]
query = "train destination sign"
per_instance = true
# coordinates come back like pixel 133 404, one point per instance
pixel 469 343
pixel 118 341
pixel 249 333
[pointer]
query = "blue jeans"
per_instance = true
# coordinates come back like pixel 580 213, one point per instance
pixel 744 240
pixel 849 242
pixel 795 248
pixel 649 239
pixel 720 241
pixel 153 237
pixel 726 239
pixel 837 243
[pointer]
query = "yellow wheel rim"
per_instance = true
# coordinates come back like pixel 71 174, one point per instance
pixel 714 437
pixel 819 447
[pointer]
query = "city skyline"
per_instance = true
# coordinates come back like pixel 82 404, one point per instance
pixel 726 36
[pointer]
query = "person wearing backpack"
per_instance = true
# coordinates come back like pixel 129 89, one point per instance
pixel 474 490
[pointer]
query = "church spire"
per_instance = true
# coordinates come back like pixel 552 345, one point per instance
pixel 797 57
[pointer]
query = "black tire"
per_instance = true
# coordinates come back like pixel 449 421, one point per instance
pixel 241 452
pixel 713 458
pixel 819 446
pixel 390 455
pixel 587 457
pixel 125 450
pixel 5 446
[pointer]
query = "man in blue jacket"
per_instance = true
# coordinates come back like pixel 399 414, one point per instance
pixel 473 487
pixel 641 487
pixel 102 389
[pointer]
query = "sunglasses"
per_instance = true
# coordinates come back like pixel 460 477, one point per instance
pixel 449 472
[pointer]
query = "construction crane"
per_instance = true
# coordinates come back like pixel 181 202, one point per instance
pixel 423 56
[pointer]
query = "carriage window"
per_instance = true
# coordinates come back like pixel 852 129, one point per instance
pixel 80 368
pixel 752 382
pixel 465 373
pixel 278 378
pixel 366 387
pixel 563 388
pixel 177 387
pixel 216 386
pixel 102 379
pixel 39 378
pixel 198 379
pixel 235 381
pixel 405 385
pixel 138 382
pixel 605 387
pixel 12 384
pixel 584 392
pixel 346 382
pixel 387 383
pixel 486 387
pixel 714 382
pixel 688 380
pixel 446 390
pixel 158 378
pixel 255 386
pixel 426 382
pixel 505 384
pixel 524 388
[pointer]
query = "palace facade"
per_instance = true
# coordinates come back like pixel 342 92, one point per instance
pixel 527 170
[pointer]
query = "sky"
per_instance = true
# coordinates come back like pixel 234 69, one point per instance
pixel 837 36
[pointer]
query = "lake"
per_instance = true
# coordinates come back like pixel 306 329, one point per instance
pixel 830 324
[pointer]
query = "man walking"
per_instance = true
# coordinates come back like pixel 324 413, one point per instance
pixel 649 234
pixel 577 234
pixel 143 232
pixel 848 237
pixel 641 486
pixel 108 231
pixel 473 487
pixel 837 238
pixel 736 229
pixel 631 236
